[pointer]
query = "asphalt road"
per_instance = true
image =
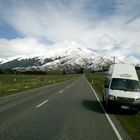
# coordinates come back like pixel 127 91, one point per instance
pixel 65 111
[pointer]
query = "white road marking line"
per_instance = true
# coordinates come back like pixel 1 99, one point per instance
pixel 41 103
pixel 9 96
pixel 61 91
pixel 109 119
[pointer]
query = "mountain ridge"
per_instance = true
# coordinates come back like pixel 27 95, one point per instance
pixel 71 55
pixel 69 58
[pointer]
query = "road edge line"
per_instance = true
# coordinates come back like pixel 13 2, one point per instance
pixel 106 114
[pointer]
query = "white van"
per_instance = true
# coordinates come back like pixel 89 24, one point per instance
pixel 121 87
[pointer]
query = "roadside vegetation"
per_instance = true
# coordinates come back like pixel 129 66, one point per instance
pixel 10 84
pixel 131 122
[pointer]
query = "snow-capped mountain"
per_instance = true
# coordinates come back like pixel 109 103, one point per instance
pixel 62 58
pixel 65 56
pixel 68 57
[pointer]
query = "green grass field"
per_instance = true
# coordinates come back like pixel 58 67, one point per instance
pixel 10 84
pixel 131 122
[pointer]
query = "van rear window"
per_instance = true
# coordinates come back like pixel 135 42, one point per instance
pixel 125 84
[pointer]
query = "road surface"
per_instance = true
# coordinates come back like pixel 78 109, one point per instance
pixel 65 111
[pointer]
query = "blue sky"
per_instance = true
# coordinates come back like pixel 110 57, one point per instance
pixel 7 31
pixel 41 24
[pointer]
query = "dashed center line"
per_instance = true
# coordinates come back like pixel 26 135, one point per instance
pixel 61 91
pixel 41 103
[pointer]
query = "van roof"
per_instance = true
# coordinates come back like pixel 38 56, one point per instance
pixel 124 71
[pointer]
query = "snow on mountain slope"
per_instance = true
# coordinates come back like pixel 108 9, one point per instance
pixel 102 62
pixel 1 60
pixel 64 55
pixel 13 58
pixel 69 48
pixel 71 56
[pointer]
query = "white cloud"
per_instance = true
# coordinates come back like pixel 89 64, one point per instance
pixel 25 46
pixel 132 59
pixel 72 20
pixel 134 25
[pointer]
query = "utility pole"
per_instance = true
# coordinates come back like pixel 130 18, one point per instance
pixel 114 59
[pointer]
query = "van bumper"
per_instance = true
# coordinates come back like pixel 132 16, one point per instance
pixel 124 104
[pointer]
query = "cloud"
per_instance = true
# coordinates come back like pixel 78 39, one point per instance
pixel 24 46
pixel 133 25
pixel 81 20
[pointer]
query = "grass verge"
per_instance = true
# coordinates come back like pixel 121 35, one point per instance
pixel 11 84
pixel 130 122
